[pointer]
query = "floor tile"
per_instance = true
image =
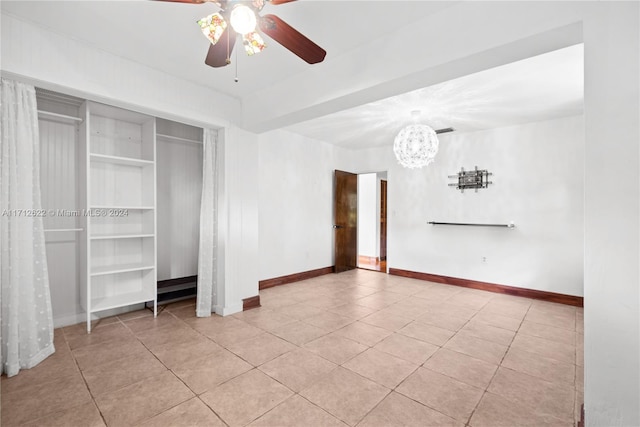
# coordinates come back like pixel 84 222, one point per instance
pixel 335 348
pixel 547 398
pixel 365 334
pixel 85 415
pixel 495 411
pixel 471 300
pixel 80 329
pixel 386 320
pixel 539 366
pixel 112 333
pixel 145 312
pixel 245 398
pixel 428 333
pixel 466 343
pixel 398 410
pixel 57 366
pixel 324 302
pixel 463 368
pixel 42 399
pixel 517 310
pixel 550 319
pixel 298 369
pixel 329 321
pixel 300 332
pixel 443 320
pixel 98 354
pixel 207 372
pixel 193 412
pixel 353 311
pixel 261 349
pixel 551 333
pixel 120 373
pixel 174 356
pixel 437 292
pixel 543 347
pixel 444 394
pixel 346 395
pixel 142 400
pixel 407 348
pixel 383 368
pixel 234 333
pixel 498 320
pixel 300 311
pixel 163 320
pixel 489 333
pixel 268 320
pixel 297 411
pixel 155 338
pixel 380 299
pixel 406 308
pixel 185 313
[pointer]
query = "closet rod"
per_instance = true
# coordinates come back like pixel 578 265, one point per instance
pixel 63 229
pixel 58 116
pixel 177 138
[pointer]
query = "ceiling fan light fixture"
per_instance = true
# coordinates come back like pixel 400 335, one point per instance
pixel 213 26
pixel 243 19
pixel 416 145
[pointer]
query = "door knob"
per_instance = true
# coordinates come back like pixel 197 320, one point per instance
pixel 337 226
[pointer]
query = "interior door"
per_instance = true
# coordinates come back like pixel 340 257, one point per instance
pixel 383 220
pixel 345 214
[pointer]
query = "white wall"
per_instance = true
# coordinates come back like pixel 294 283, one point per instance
pixel 296 204
pixel 538 176
pixel 368 215
pixel 238 219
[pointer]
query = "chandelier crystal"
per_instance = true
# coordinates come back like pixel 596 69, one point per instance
pixel 416 145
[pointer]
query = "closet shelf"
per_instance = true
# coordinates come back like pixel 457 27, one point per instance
pixel 119 236
pixel 127 161
pixel 120 300
pixel 56 117
pixel 120 268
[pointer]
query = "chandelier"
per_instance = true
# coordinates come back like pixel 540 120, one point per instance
pixel 416 145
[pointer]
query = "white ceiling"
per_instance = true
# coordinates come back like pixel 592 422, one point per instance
pixel 165 36
pixel 539 88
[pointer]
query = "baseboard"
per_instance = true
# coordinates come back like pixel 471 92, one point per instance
pixel 227 310
pixel 491 287
pixel 296 277
pixel 581 420
pixel 251 302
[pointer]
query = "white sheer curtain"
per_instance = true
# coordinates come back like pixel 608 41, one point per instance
pixel 26 319
pixel 207 257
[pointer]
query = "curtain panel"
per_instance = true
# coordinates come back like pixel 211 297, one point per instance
pixel 25 317
pixel 208 249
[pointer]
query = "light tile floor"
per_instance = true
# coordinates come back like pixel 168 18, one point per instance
pixel 356 348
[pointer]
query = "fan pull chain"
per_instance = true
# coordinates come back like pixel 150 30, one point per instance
pixel 236 61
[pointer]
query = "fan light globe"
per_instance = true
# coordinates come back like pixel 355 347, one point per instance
pixel 243 19
pixel 415 146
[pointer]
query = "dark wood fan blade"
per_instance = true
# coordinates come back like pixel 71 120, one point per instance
pixel 280 1
pixel 290 38
pixel 219 53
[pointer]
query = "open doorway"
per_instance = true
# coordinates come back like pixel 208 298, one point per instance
pixel 372 221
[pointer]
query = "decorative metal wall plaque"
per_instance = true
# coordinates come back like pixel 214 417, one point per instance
pixel 478 178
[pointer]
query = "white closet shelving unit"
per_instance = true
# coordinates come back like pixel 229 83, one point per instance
pixel 118 159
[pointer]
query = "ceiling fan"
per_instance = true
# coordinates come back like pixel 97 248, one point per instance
pixel 242 17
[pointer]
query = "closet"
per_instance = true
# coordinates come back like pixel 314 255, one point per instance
pixel 122 194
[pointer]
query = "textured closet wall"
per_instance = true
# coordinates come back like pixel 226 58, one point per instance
pixel 179 181
pixel 58 148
